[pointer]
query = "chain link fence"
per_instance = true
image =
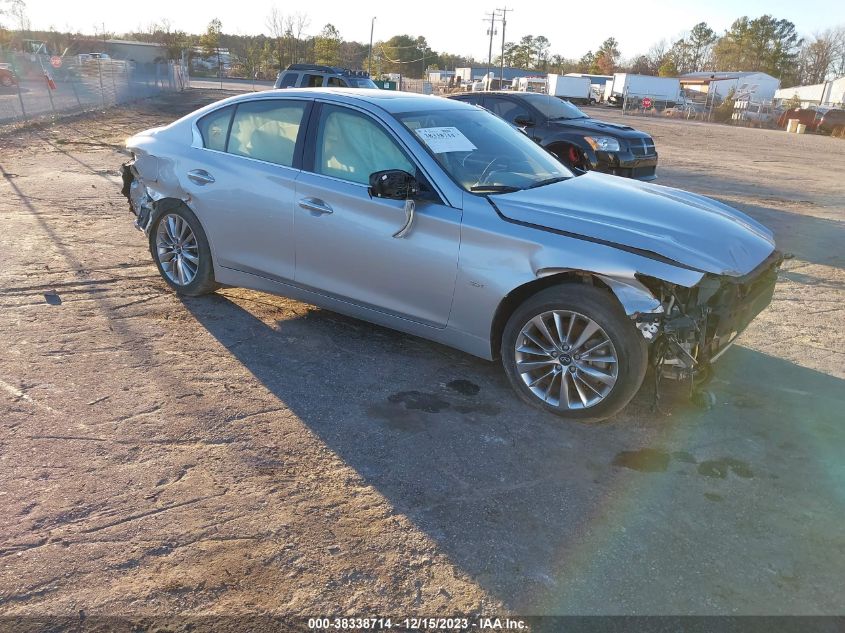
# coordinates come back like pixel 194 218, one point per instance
pixel 36 86
pixel 687 107
pixel 420 86
pixel 702 107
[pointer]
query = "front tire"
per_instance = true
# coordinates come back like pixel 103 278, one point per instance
pixel 180 249
pixel 571 156
pixel 572 351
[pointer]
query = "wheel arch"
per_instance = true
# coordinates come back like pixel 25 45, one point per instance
pixel 565 142
pixel 520 294
pixel 630 295
pixel 168 203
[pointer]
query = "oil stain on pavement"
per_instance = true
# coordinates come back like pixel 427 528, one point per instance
pixel 649 460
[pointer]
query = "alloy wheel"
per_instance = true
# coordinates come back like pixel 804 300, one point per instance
pixel 178 250
pixel 566 359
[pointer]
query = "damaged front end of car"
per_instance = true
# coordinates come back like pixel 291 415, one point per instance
pixel 698 324
pixel 141 201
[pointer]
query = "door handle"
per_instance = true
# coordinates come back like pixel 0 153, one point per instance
pixel 315 205
pixel 200 177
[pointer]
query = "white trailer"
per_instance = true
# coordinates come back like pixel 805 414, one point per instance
pixel 576 89
pixel 530 84
pixel 664 91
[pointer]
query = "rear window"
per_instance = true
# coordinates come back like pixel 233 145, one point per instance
pixel 214 128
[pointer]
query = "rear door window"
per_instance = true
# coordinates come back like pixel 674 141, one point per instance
pixel 289 80
pixel 267 130
pixel 311 81
pixel 214 128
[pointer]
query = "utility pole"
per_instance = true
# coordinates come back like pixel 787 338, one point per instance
pixel 100 66
pixel 504 24
pixel 423 61
pixel 370 56
pixel 491 32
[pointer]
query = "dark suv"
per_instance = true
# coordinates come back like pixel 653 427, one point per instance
pixel 317 76
pixel 572 136
pixel 831 121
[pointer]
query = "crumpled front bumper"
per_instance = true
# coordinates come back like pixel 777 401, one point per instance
pixel 738 303
pixel 140 202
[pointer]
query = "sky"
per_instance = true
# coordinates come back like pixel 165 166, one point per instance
pixel 454 27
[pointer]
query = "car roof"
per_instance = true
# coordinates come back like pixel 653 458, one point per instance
pixel 498 93
pixel 391 101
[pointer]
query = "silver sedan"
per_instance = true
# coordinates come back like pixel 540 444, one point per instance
pixel 439 219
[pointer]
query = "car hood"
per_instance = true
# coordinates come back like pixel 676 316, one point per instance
pixel 594 126
pixel 692 230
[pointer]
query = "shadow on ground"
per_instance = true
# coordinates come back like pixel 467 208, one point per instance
pixel 555 517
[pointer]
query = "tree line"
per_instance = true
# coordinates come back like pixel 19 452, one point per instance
pixel 764 44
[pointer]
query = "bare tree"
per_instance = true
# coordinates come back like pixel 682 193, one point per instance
pixel 276 25
pixel 298 23
pixel 823 56
pixel 17 10
pixel 657 55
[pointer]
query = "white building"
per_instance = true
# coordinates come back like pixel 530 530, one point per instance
pixel 748 86
pixel 437 76
pixel 829 93
pixel 138 52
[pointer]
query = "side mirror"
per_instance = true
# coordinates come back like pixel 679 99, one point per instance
pixel 524 121
pixel 394 184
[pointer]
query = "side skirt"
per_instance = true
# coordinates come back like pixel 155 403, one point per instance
pixel 451 337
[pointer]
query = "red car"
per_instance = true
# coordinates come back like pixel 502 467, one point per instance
pixel 807 116
pixel 8 78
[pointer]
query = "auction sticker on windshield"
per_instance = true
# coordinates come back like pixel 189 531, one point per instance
pixel 445 139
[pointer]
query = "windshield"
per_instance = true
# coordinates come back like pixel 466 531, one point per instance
pixel 483 153
pixel 361 82
pixel 553 108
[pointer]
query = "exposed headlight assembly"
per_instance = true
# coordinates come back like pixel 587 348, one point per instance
pixel 603 143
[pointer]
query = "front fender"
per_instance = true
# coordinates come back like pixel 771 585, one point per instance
pixel 500 259
pixel 632 295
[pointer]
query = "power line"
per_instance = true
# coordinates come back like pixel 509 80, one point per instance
pixel 397 61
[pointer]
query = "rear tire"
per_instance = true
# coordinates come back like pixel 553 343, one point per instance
pixel 602 372
pixel 181 252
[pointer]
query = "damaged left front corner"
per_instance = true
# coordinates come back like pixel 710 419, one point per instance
pixel 638 302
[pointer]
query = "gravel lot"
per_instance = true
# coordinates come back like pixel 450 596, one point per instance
pixel 243 453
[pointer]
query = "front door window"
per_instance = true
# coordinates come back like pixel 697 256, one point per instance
pixel 351 146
